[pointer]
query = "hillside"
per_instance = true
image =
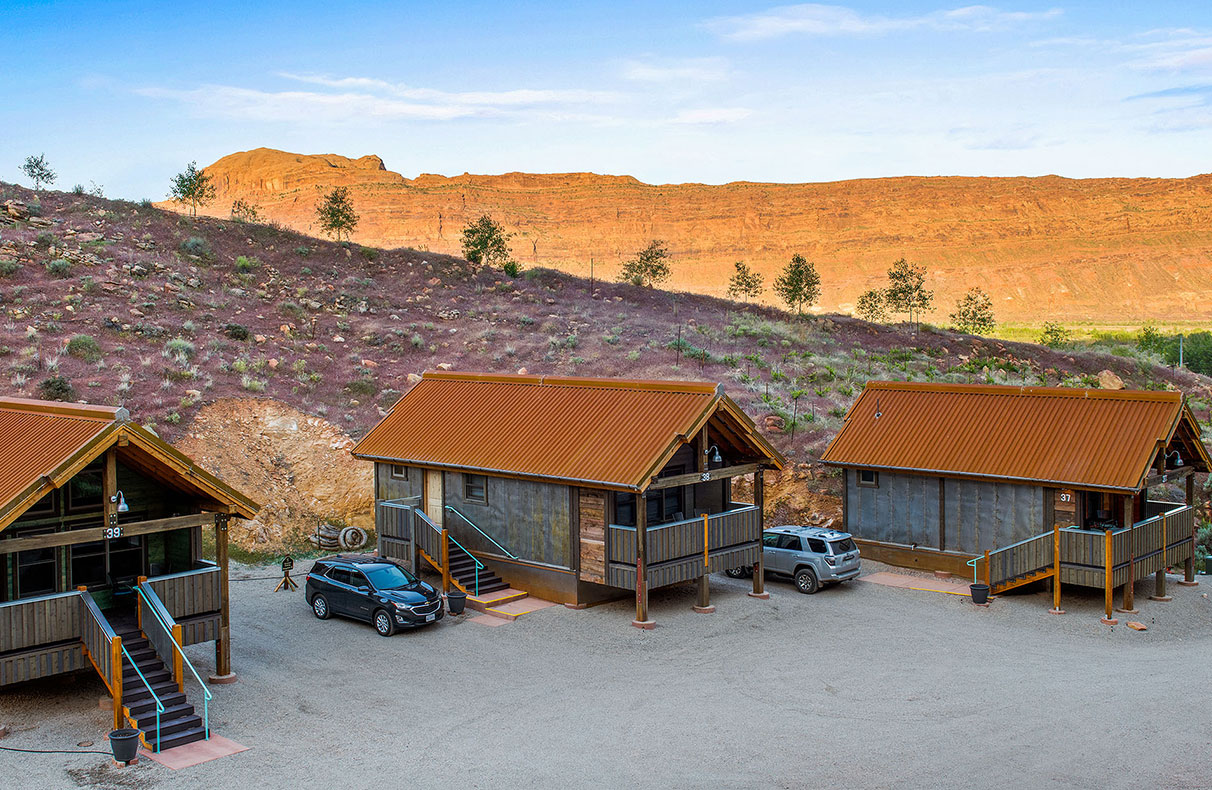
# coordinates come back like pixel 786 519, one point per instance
pixel 1100 251
pixel 265 353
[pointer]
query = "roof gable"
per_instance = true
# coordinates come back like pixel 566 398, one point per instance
pixel 48 443
pixel 1082 438
pixel 606 432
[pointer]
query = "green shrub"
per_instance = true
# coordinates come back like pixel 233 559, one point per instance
pixel 179 349
pixel 84 347
pixel 45 239
pixel 291 309
pixel 59 268
pixel 236 331
pixel 1055 335
pixel 78 189
pixel 302 250
pixel 362 386
pixel 244 264
pixel 369 253
pixel 512 268
pixel 57 388
pixel 196 246
pixel 8 268
pixel 252 383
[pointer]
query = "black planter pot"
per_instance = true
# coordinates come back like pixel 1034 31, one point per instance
pixel 455 601
pixel 980 593
pixel 124 744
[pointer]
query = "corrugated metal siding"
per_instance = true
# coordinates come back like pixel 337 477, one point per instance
pixel 1090 438
pixel 985 515
pixel 903 509
pixel 575 429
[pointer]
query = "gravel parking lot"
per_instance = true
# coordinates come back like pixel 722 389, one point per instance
pixel 858 686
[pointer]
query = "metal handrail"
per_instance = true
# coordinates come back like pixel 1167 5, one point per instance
pixel 150 690
pixel 155 605
pixel 508 553
pixel 479 565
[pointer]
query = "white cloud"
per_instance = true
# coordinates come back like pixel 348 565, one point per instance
pixel 696 70
pixel 510 98
pixel 709 115
pixel 815 19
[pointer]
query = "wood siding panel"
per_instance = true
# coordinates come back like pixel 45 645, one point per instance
pixel 591 506
pixel 42 662
pixel 39 621
pixel 188 594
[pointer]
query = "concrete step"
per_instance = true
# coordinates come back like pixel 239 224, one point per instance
pixel 497 598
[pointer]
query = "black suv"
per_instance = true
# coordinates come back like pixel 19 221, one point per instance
pixel 373 590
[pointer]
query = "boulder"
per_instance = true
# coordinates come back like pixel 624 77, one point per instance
pixel 1109 381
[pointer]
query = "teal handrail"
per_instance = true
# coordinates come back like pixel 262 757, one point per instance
pixel 508 553
pixel 155 697
pixel 479 565
pixel 972 562
pixel 206 695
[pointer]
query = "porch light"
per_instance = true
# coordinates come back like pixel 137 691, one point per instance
pixel 715 459
pixel 121 500
pixel 1178 459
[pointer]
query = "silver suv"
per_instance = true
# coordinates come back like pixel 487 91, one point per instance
pixel 811 556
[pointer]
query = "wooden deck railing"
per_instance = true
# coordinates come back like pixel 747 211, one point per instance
pixel 1020 563
pixel 685 538
pixel 189 593
pixel 104 649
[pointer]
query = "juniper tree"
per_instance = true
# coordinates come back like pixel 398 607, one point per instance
pixel 649 267
pixel 485 242
pixel 38 170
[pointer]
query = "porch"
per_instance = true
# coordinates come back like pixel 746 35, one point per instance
pixel 684 550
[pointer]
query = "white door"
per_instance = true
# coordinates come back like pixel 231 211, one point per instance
pixel 433 496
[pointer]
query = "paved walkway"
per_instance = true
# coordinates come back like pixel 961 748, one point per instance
pixel 924 583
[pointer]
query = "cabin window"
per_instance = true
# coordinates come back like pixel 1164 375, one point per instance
pixel 88 564
pixel 399 472
pixel 869 478
pixel 663 506
pixel 36 570
pixel 475 489
pixel 84 491
pixel 44 507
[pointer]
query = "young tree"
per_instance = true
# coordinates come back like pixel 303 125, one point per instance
pixel 244 211
pixel 485 242
pixel 974 313
pixel 871 306
pixel 336 214
pixel 192 186
pixel 1055 335
pixel 649 267
pixel 907 291
pixel 38 170
pixel 745 283
pixel 799 284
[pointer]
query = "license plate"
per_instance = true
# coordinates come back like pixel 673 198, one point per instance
pixel 429 618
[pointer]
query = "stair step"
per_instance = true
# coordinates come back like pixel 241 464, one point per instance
pixel 177 738
pixel 170 727
pixel 145 704
pixel 157 677
pixel 147 721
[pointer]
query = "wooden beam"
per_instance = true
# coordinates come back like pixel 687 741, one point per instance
pixel 641 563
pixel 1169 476
pixel 759 568
pixel 223 673
pixel 1129 603
pixel 702 477
pixel 72 537
pixel 109 487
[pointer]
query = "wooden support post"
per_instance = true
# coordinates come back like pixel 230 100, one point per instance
pixel 988 573
pixel 703 606
pixel 1108 562
pixel 1189 563
pixel 1056 571
pixel 178 665
pixel 139 603
pixel 1159 578
pixel 115 687
pixel 1129 603
pixel 223 673
pixel 641 563
pixel 445 561
pixel 759 568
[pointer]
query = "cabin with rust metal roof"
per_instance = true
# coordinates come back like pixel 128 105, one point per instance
pixel 573 489
pixel 101 562
pixel 943 475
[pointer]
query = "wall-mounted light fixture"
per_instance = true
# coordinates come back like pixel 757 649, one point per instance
pixel 715 459
pixel 121 501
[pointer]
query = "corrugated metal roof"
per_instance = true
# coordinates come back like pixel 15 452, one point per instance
pixel 40 437
pixel 606 431
pixel 46 440
pixel 1080 438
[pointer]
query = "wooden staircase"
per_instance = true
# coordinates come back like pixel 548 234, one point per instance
pixel 1020 580
pixel 179 724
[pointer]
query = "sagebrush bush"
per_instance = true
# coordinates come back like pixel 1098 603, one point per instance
pixel 59 268
pixel 84 347
pixel 236 331
pixel 179 349
pixel 196 246
pixel 57 388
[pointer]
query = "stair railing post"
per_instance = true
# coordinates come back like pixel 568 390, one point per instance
pixel 1108 566
pixel 116 680
pixel 988 572
pixel 178 669
pixel 445 561
pixel 1056 574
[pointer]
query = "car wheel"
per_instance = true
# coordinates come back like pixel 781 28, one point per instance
pixel 319 607
pixel 383 623
pixel 806 581
pixel 735 573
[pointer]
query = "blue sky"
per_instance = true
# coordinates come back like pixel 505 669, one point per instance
pixel 125 94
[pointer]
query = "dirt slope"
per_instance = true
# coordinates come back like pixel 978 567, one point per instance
pixel 1106 251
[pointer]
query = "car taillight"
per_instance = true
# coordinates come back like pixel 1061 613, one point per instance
pixel 831 560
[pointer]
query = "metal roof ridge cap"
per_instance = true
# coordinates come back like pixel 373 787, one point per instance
pixel 943 388
pixel 60 409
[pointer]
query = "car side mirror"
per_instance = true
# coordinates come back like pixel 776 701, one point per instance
pixel 363 589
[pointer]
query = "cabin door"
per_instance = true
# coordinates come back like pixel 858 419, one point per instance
pixel 433 496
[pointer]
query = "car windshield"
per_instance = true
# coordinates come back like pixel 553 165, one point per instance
pixel 842 546
pixel 388 577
